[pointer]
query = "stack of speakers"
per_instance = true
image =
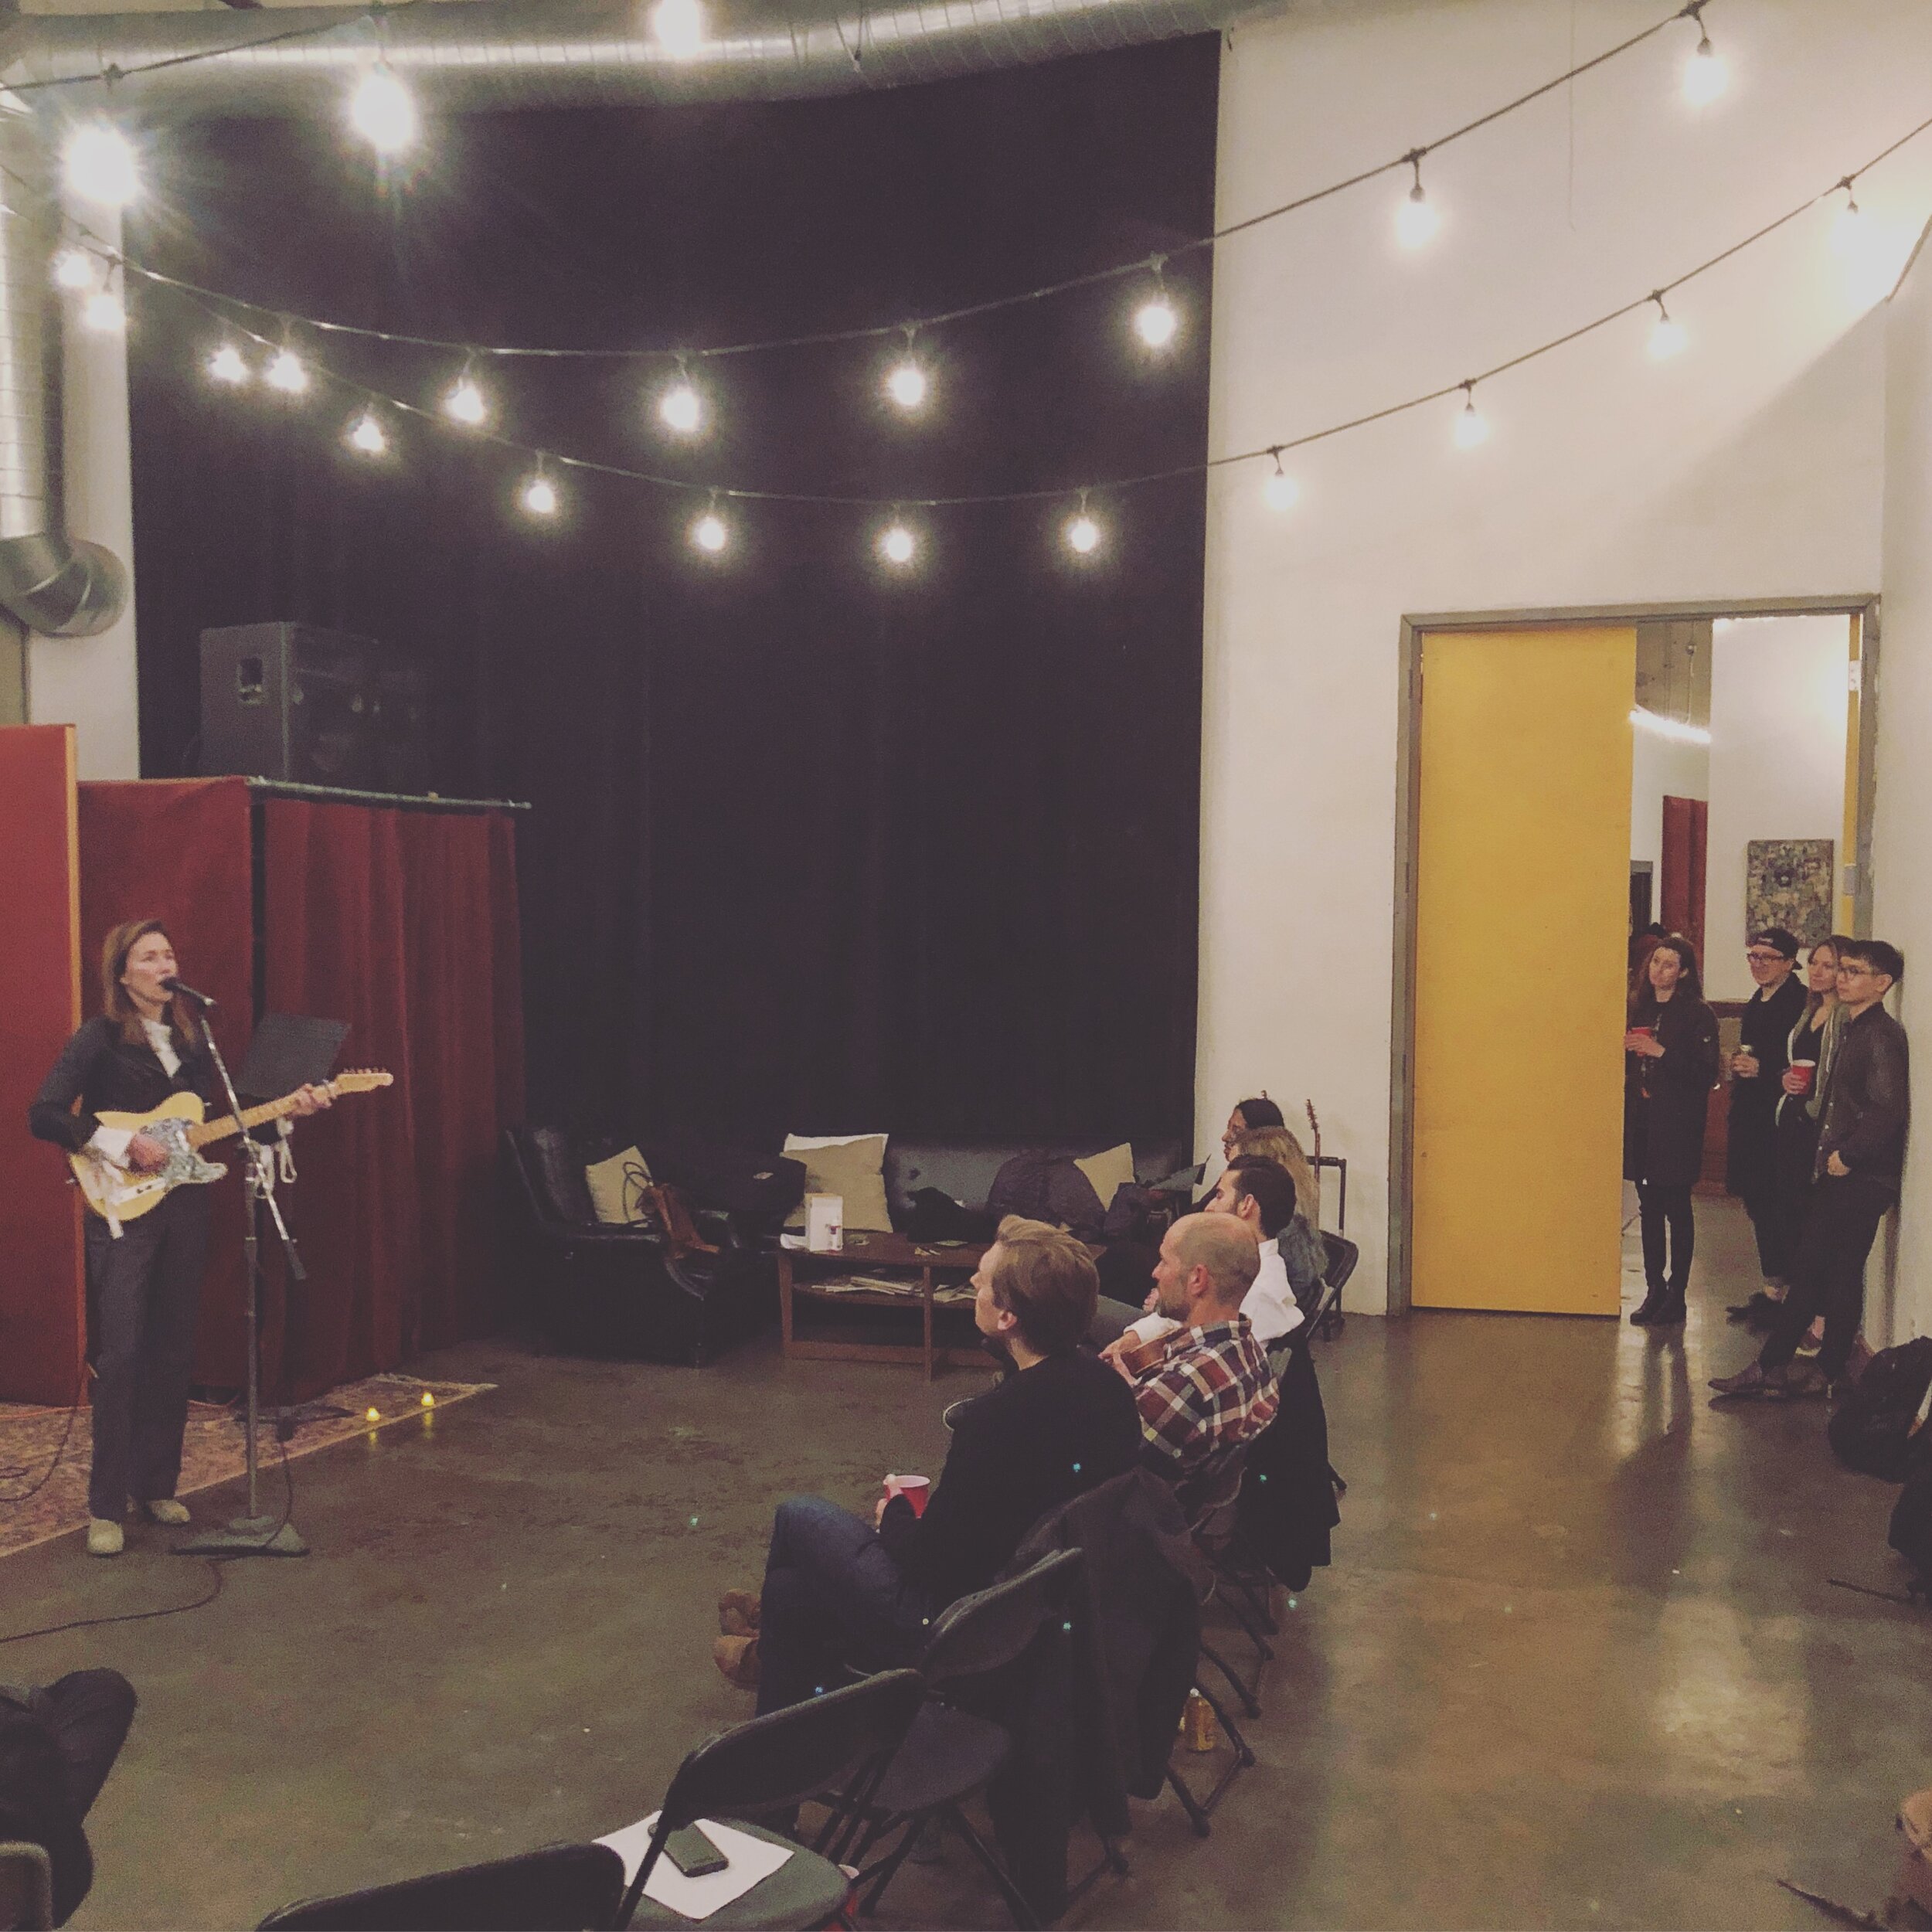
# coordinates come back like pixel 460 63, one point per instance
pixel 289 701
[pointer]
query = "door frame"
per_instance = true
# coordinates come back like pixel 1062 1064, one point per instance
pixel 1864 606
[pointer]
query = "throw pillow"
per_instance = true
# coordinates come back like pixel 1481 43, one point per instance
pixel 614 1187
pixel 851 1166
pixel 1109 1171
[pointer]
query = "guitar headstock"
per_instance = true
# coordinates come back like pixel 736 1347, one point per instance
pixel 361 1081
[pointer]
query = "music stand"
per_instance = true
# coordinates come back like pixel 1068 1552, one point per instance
pixel 287 1051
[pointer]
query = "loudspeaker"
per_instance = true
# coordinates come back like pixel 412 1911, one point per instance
pixel 319 707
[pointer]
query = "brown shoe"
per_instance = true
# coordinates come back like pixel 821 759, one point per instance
pixel 738 1612
pixel 1750 1380
pixel 737 1657
pixel 1804 1380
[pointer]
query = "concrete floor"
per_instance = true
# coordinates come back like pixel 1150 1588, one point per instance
pixel 1577 1663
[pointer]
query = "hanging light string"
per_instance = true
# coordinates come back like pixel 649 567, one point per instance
pixel 1410 157
pixel 1271 451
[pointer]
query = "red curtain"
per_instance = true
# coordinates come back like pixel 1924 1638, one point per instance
pixel 178 850
pixel 404 923
pixel 1686 836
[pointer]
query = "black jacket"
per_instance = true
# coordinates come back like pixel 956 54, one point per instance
pixel 1867 1099
pixel 1287 1505
pixel 1665 1101
pixel 1750 1162
pixel 1023 1447
pixel 107 1073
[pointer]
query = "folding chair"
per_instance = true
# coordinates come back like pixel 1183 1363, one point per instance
pixel 841 1742
pixel 1342 1257
pixel 1241 1587
pixel 561 1888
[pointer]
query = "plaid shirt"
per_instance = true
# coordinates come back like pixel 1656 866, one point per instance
pixel 1212 1388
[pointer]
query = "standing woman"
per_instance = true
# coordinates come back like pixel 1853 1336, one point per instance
pixel 1670 1065
pixel 143 1284
pixel 1757 1070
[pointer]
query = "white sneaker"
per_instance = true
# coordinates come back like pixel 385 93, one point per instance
pixel 104 1539
pixel 164 1509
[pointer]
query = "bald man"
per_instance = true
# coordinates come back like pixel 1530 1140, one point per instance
pixel 1212 1388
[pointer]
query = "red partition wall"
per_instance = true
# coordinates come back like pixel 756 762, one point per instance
pixel 42 1312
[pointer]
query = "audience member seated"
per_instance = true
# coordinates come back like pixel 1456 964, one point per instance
pixel 839 1591
pixel 1208 1387
pixel 1256 1191
pixel 58 1742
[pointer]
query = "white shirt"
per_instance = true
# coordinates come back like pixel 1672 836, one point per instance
pixel 1269 1304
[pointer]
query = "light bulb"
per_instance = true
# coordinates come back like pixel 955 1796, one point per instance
pixel 540 497
pixel 429 1398
pixel 102 311
pixel 1083 535
pixel 372 1415
pixel 906 385
pixel 709 533
pixel 896 545
pixel 1280 491
pixel 73 268
pixel 1705 75
pixel 383 112
pixel 681 408
pixel 1847 226
pixel 1156 322
pixel 678 25
pixel 365 434
pixel 287 374
pixel 1472 426
pixel 100 165
pixel 1667 338
pixel 464 404
pixel 1416 221
pixel 226 366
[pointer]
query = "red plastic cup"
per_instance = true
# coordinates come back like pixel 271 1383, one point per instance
pixel 1807 1072
pixel 915 1489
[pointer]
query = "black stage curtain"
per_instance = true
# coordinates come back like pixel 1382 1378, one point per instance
pixel 814 847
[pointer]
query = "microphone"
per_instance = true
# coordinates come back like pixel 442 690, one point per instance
pixel 170 985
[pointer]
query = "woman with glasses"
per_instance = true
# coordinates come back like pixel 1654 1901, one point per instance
pixel 1670 1048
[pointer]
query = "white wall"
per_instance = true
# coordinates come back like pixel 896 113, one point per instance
pixel 1749 467
pixel 1661 768
pixel 1899 1298
pixel 1779 695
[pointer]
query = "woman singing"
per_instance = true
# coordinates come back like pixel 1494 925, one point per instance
pixel 144 1284
pixel 1670 1066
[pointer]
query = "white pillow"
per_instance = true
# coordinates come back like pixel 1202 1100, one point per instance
pixel 850 1165
pixel 1109 1171
pixel 614 1187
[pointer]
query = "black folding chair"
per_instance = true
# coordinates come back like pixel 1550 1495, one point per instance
pixel 951 1753
pixel 1239 1585
pixel 841 1742
pixel 1343 1255
pixel 561 1888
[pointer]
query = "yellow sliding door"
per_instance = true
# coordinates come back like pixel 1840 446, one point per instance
pixel 1522 915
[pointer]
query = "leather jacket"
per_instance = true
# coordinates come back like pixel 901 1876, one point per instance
pixel 1866 1103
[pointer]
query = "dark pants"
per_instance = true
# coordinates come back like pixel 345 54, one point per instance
pixel 143 1293
pixel 1828 1277
pixel 833 1596
pixel 1772 1221
pixel 1667 1210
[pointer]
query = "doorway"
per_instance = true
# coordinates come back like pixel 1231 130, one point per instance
pixel 1520 868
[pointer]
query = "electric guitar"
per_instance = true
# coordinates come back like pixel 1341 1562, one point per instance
pixel 117 1193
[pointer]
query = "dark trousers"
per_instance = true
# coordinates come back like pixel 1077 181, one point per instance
pixel 833 1596
pixel 1774 1223
pixel 1666 1211
pixel 1828 1277
pixel 143 1291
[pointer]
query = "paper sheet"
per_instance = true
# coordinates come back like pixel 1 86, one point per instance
pixel 752 1862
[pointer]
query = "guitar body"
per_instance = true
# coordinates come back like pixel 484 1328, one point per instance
pixel 120 1194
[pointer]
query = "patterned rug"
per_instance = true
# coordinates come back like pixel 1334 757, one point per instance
pixel 33 1441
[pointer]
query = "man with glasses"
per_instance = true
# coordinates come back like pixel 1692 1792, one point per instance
pixel 1757 1068
pixel 1861 1153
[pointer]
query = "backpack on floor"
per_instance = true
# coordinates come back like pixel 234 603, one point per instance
pixel 1911 1534
pixel 1877 1424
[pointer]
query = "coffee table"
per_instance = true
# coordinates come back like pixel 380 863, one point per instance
pixel 888 1254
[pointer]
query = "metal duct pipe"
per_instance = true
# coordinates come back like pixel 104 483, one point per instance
pixel 473 54
pixel 53 584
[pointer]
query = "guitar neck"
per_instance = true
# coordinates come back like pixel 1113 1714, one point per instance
pixel 252 1118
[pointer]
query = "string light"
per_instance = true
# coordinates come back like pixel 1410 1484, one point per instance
pixel 366 435
pixel 710 532
pixel 100 165
pixel 1279 490
pixel 678 25
pixel 226 366
pixel 539 495
pixel 383 111
pixel 1472 426
pixel 465 404
pixel 1155 321
pixel 287 374
pixel 1705 75
pixel 1416 221
pixel 102 312
pixel 906 381
pixel 1082 533
pixel 1667 338
pixel 73 268
pixel 896 544
pixel 681 408
pixel 1847 225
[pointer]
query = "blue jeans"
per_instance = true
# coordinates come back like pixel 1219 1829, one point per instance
pixel 833 1596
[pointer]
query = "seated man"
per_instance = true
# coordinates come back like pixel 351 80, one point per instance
pixel 838 1591
pixel 1260 1193
pixel 57 1744
pixel 1212 1388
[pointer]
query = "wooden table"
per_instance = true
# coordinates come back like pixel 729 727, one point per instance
pixel 865 1254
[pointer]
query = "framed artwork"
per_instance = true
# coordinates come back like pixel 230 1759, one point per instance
pixel 1788 883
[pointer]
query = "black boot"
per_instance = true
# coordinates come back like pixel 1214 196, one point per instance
pixel 1670 1310
pixel 1655 1299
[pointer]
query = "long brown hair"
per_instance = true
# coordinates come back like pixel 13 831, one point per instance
pixel 1278 1144
pixel 1690 981
pixel 114 1001
pixel 1836 943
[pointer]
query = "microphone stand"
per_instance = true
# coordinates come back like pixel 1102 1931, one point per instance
pixel 254 1534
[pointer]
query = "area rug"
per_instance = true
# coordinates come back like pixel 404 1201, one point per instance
pixel 44 1453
